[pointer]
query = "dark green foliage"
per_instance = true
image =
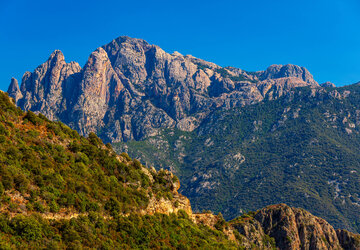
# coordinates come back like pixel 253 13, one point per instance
pixel 29 228
pixel 76 174
pixel 201 66
pixel 220 223
pixel 1 189
pixel 94 139
pixel 113 206
pixel 224 73
pixel 33 118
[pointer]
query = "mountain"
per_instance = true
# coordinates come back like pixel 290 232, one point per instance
pixel 301 149
pixel 61 190
pixel 237 140
pixel 129 89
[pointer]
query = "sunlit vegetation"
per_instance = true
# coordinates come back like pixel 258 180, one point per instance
pixel 61 190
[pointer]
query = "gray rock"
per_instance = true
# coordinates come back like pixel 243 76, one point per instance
pixel 129 89
pixel 327 85
pixel 14 90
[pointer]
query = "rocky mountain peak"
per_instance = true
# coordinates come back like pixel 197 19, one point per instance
pixel 14 90
pixel 328 85
pixel 14 85
pixel 135 89
pixel 289 70
pixel 96 59
pixel 56 56
pixel 127 39
pixel 47 88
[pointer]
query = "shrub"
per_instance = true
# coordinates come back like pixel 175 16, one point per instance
pixel 2 190
pixel 2 139
pixel 220 222
pixel 33 118
pixel 21 182
pixel 27 227
pixel 126 156
pixel 54 207
pixel 94 140
pixel 3 130
pixel 113 206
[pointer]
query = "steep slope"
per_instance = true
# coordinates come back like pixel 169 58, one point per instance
pixel 290 228
pixel 130 89
pixel 302 149
pixel 60 190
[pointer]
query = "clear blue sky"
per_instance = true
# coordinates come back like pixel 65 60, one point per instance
pixel 322 35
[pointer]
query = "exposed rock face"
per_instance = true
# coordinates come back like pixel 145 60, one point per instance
pixel 14 90
pixel 327 85
pixel 166 206
pixel 283 71
pixel 295 228
pixel 348 240
pixel 130 89
pixel 276 226
pixel 50 88
pixel 291 228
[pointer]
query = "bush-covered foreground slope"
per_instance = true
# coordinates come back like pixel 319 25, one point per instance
pixel 61 190
pixel 302 149
pixel 58 189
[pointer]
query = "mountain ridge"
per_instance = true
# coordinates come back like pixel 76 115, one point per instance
pixel 166 90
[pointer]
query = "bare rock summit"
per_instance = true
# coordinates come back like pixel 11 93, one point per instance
pixel 130 89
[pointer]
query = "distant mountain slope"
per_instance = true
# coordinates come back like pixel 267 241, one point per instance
pixel 129 89
pixel 302 149
pixel 60 190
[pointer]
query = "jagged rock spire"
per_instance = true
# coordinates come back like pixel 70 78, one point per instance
pixel 328 85
pixel 130 89
pixel 14 90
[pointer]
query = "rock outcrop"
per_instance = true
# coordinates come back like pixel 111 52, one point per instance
pixel 327 85
pixel 348 240
pixel 285 227
pixel 129 89
pixel 50 88
pixel 14 90
pixel 294 228
pixel 165 205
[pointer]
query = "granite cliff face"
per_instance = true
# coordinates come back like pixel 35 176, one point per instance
pixel 281 227
pixel 129 89
pixel 291 228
